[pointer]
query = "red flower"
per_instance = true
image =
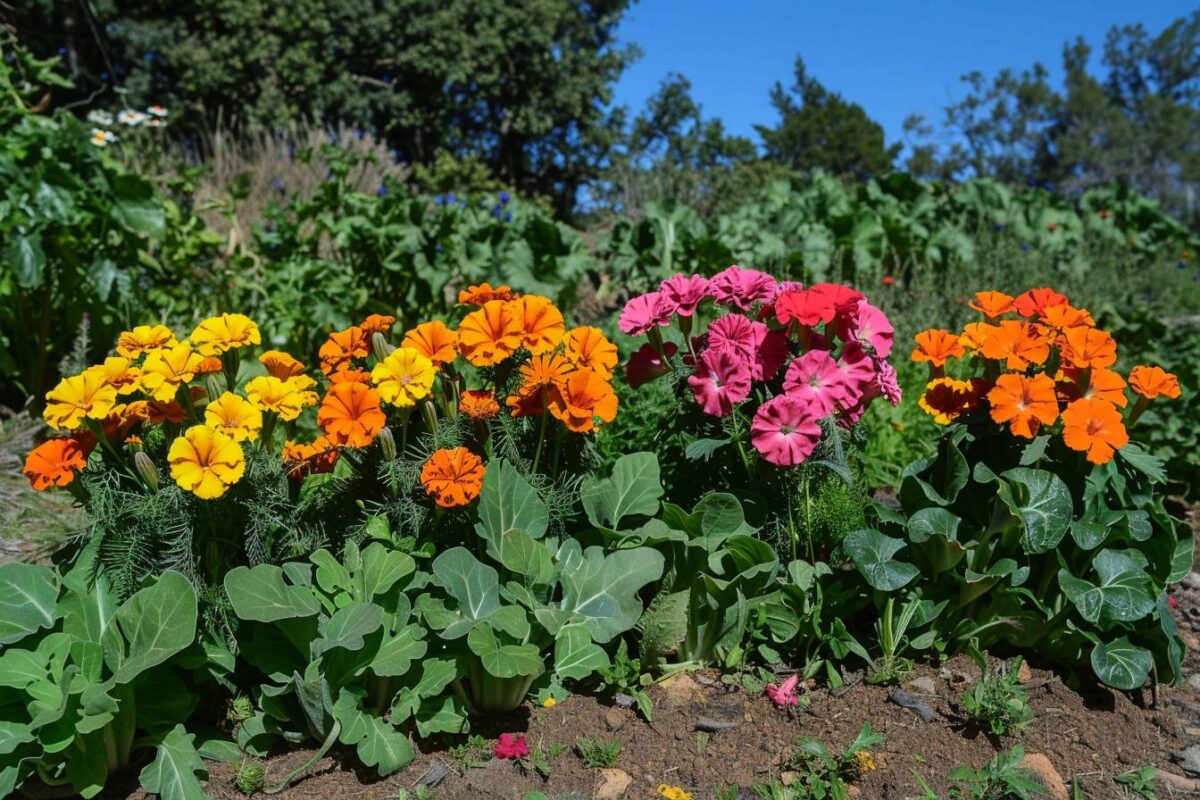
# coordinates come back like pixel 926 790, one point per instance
pixel 510 746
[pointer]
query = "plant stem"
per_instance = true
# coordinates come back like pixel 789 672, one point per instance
pixel 307 765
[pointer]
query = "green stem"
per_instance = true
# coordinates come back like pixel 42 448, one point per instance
pixel 537 454
pixel 307 765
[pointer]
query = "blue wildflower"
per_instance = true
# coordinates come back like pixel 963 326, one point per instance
pixel 504 198
pixel 438 200
pixel 148 55
pixel 278 184
pixel 508 216
pixel 496 211
pixel 103 76
pixel 385 78
pixel 1024 245
pixel 382 190
pixel 1180 265
pixel 439 247
pixel 997 227
pixel 1032 182
pixel 62 51
pixel 450 198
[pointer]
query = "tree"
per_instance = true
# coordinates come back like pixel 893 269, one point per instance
pixel 819 129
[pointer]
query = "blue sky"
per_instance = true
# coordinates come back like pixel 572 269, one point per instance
pixel 894 58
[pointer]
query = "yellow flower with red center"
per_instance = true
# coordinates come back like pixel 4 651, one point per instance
pixel 79 397
pixel 164 371
pixel 235 416
pixel 404 377
pixel 1095 427
pixel 588 348
pixel 219 334
pixel 206 462
pixel 490 334
pixel 285 398
pixel 946 399
pixel 542 326
pixel 435 341
pixel 145 339
pixel 119 373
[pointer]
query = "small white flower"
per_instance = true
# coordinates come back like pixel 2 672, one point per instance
pixel 131 118
pixel 98 117
pixel 102 138
pixel 156 123
pixel 156 111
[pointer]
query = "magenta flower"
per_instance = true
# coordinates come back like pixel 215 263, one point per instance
pixel 868 326
pixel 772 350
pixel 686 292
pixel 889 385
pixel 735 332
pixel 510 746
pixel 815 378
pixel 785 430
pixel 858 375
pixel 645 312
pixel 785 693
pixel 742 287
pixel 721 381
pixel 646 364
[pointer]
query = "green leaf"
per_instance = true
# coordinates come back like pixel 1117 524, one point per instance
pixel 504 660
pixel 137 209
pixel 703 449
pixel 603 590
pixel 1121 664
pixel 575 655
pixel 27 595
pixel 524 555
pixel 28 260
pixel 634 489
pixel 378 744
pixel 1149 465
pixel 172 774
pixel 157 622
pixel 441 715
pixel 436 675
pixel 475 586
pixel 933 522
pixel 397 653
pixel 348 627
pixel 872 553
pixel 87 613
pixel 1123 594
pixel 1042 502
pixel 261 594
pixel 382 568
pixel 508 501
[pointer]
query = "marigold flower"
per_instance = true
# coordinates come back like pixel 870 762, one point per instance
pixel 144 339
pixel 1095 427
pixel 303 459
pixel 377 323
pixel 1102 384
pixel 165 370
pixel 350 414
pixel 216 335
pixel 1089 347
pixel 673 792
pixel 206 462
pixel 285 398
pixel 453 477
pixel 209 365
pixel 1060 318
pixel 350 376
pixel 484 293
pixel 157 411
pixel 1024 403
pixel 235 416
pixel 280 364
pixel 587 347
pixel 434 341
pixel 583 397
pixel 937 346
pixel 975 334
pixel 1152 382
pixel 946 399
pixel 404 377
pixel 785 430
pixel 530 404
pixel 478 404
pixel 490 334
pixel 992 304
pixel 120 374
pixel 544 372
pixel 342 347
pixel 1018 344
pixel 54 462
pixel 79 397
pixel 542 326
pixel 1034 302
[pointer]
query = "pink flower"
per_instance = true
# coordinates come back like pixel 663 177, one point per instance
pixel 742 287
pixel 843 298
pixel 644 312
pixel 889 385
pixel 815 378
pixel 734 332
pixel 1171 601
pixel 646 364
pixel 785 430
pixel 772 349
pixel 868 326
pixel 721 380
pixel 510 746
pixel 686 292
pixel 858 374
pixel 806 306
pixel 785 693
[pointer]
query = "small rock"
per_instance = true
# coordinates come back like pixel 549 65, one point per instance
pixel 1193 681
pixel 1192 581
pixel 1191 730
pixel 1024 673
pixel 434 775
pixel 681 689
pixel 853 791
pixel 1039 765
pixel 787 778
pixel 1189 759
pixel 924 685
pixel 624 700
pixel 913 703
pixel 714 725
pixel 613 783
pixel 1177 781
pixel 615 719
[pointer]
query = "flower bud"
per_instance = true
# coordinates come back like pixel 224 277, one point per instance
pixel 387 444
pixel 146 469
pixel 380 346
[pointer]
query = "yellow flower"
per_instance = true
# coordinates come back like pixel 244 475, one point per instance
pixel 234 415
pixel 673 792
pixel 404 377
pixel 285 398
pixel 145 339
pixel 206 462
pixel 280 364
pixel 164 371
pixel 864 762
pixel 550 702
pixel 120 374
pixel 79 397
pixel 215 335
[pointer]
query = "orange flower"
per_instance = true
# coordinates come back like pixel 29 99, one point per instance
pixel 1089 347
pixel 1060 318
pixel 992 304
pixel 350 414
pixel 975 334
pixel 937 346
pixel 490 335
pixel 1151 382
pixel 1019 344
pixel 434 341
pixel 589 348
pixel 342 347
pixel 946 399
pixel 453 477
pixel 583 397
pixel 302 460
pixel 484 293
pixel 158 412
pixel 209 365
pixel 542 326
pixel 54 462
pixel 544 372
pixel 377 323
pixel 280 364
pixel 478 404
pixel 1102 384
pixel 1095 427
pixel 350 376
pixel 1036 301
pixel 527 405
pixel 1023 402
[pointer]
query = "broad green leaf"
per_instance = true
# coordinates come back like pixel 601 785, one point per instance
pixel 503 660
pixel 1123 594
pixel 441 715
pixel 382 568
pixel 634 489
pixel 1182 557
pixel 1149 465
pixel 27 596
pixel 1042 502
pixel 476 587
pixel 137 209
pixel 157 622
pixel 262 594
pixel 378 744
pixel 721 516
pixel 603 590
pixel 87 613
pixel 933 522
pixel 348 627
pixel 87 768
pixel 1121 664
pixel 872 553
pixel 524 555
pixel 27 259
pixel 397 653
pixel 436 675
pixel 575 655
pixel 173 773
pixel 1088 535
pixel 508 501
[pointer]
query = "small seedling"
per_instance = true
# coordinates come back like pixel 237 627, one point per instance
pixel 701 742
pixel 1002 779
pixel 249 777
pixel 998 703
pixel 597 753
pixel 727 792
pixel 1141 781
pixel 470 754
pixel 419 793
pixel 892 666
pixel 540 758
pixel 624 674
pixel 820 774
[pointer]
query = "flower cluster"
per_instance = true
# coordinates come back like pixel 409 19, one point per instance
pixel 152 117
pixel 797 354
pixel 1042 360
